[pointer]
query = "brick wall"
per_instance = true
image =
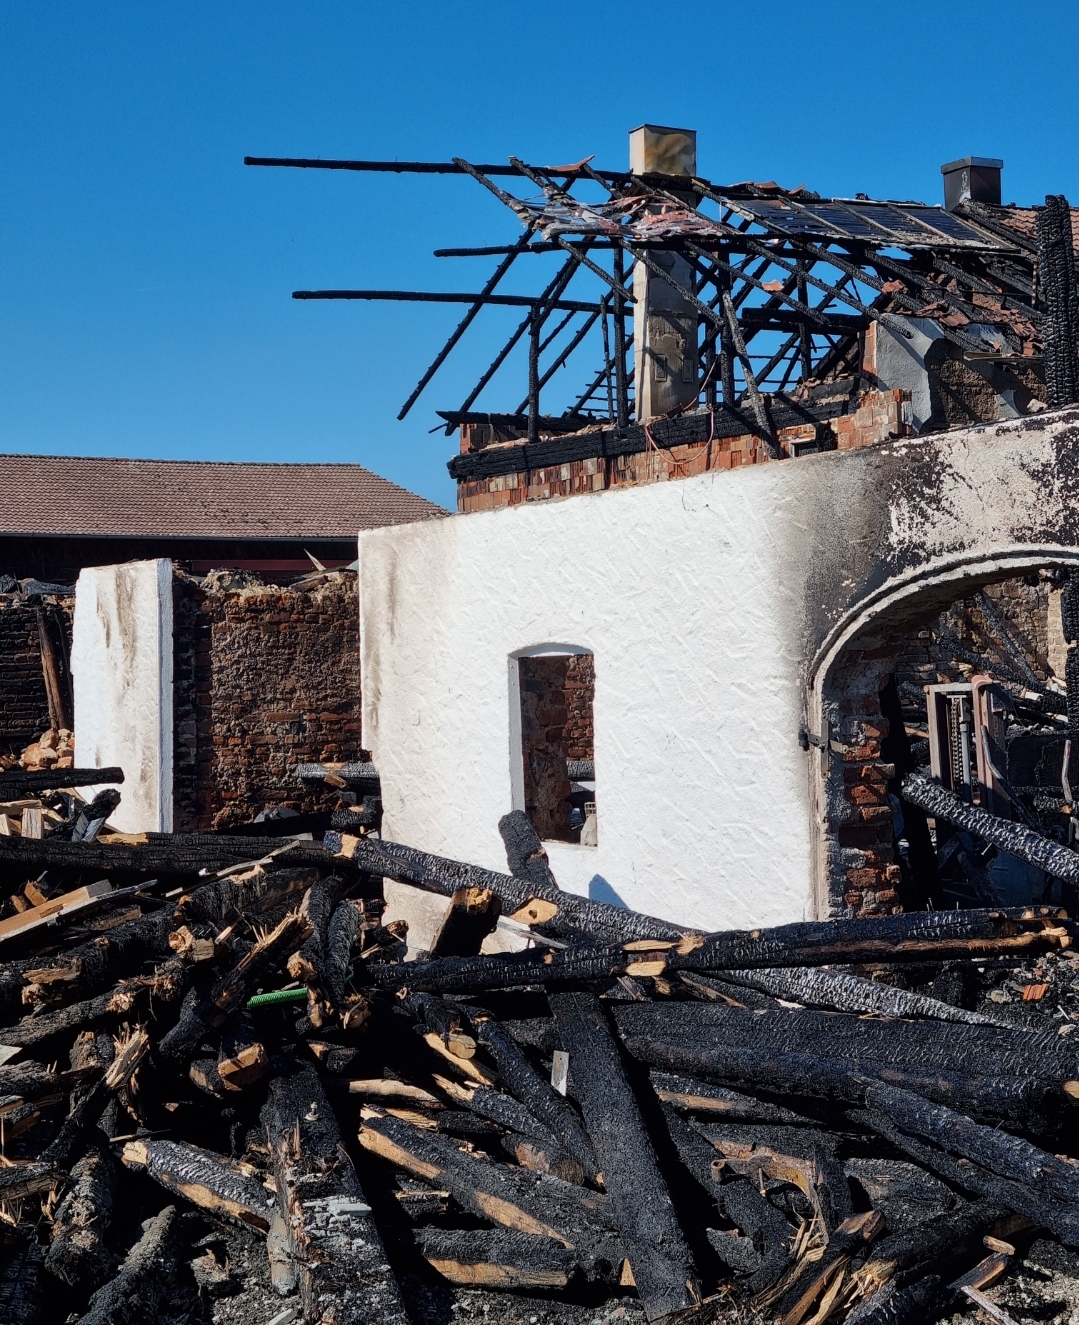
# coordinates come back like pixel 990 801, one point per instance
pixel 267 677
pixel 24 709
pixel 580 692
pixel 881 414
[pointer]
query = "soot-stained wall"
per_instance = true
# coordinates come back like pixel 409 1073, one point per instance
pixel 726 613
pixel 24 706
pixel 267 677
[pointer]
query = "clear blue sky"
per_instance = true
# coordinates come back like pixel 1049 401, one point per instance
pixel 145 273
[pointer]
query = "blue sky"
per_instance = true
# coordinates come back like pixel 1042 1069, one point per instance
pixel 145 273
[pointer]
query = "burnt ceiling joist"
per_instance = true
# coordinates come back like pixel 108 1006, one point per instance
pixel 782 282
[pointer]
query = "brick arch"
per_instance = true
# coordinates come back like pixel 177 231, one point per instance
pixel 854 868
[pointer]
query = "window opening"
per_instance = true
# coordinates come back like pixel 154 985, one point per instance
pixel 557 745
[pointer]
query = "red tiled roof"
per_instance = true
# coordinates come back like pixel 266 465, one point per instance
pixel 198 499
pixel 1025 220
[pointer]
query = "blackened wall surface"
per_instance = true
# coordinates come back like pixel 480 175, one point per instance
pixel 266 678
pixel 24 708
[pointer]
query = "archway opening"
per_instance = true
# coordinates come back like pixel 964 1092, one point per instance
pixel 963 677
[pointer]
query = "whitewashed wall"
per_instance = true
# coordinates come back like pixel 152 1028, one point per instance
pixel 121 663
pixel 702 791
pixel 716 608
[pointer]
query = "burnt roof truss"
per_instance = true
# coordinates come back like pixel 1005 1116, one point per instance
pixel 783 283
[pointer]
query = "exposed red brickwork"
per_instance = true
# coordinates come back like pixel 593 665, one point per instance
pixel 544 716
pixel 580 692
pixel 24 708
pixel 881 415
pixel 267 678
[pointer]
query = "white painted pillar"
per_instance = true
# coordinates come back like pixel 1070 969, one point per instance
pixel 121 664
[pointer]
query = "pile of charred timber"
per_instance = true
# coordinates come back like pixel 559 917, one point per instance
pixel 821 1121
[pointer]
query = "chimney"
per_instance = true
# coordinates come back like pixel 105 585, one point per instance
pixel 972 179
pixel 664 323
pixel 654 150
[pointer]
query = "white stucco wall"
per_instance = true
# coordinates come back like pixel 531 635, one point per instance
pixel 696 687
pixel 716 607
pixel 121 663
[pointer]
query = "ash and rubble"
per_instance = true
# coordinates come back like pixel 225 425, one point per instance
pixel 227 1097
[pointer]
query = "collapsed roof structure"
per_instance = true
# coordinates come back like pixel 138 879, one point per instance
pixel 754 307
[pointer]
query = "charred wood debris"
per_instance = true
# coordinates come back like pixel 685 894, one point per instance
pixel 225 1095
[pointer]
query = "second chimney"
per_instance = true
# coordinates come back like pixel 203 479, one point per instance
pixel 972 179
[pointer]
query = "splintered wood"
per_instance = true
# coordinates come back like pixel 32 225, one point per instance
pixel 208 1042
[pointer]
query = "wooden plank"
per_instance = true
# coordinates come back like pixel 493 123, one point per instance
pixel 67 903
pixel 663 1269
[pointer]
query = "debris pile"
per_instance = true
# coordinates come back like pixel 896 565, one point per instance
pixel 224 1095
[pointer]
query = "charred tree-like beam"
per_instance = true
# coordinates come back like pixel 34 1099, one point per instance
pixel 538 1096
pixel 20 782
pixel 505 1194
pixel 231 991
pixel 345 926
pixel 663 1269
pixel 78 1253
pixel 144 1278
pixel 344 1275
pixel 825 988
pixel 206 1180
pixel 70 1139
pixel 572 917
pixel 1013 838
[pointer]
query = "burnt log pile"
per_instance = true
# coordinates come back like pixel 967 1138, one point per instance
pixel 227 1084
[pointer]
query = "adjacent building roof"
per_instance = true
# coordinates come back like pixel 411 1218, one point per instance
pixel 75 495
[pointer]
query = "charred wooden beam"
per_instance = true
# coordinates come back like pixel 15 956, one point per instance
pixel 242 1059
pixel 207 1180
pixel 230 992
pixel 574 915
pixel 345 926
pixel 538 1096
pixel 1006 1155
pixel 498 1259
pixel 344 1275
pixel 88 1108
pixel 88 968
pixel 160 854
pixel 19 782
pixel 825 988
pixel 809 1073
pixel 663 1269
pixel 1005 835
pixel 1062 1220
pixel 78 1253
pixel 472 915
pixel 144 1279
pixel 983 1050
pixel 308 963
pixel 687 1094
pixel 505 1194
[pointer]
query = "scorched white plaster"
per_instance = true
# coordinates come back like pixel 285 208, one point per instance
pixel 121 663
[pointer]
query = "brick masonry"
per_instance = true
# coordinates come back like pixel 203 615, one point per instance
pixel 556 724
pixel 267 677
pixel 24 709
pixel 880 415
pixel 858 815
